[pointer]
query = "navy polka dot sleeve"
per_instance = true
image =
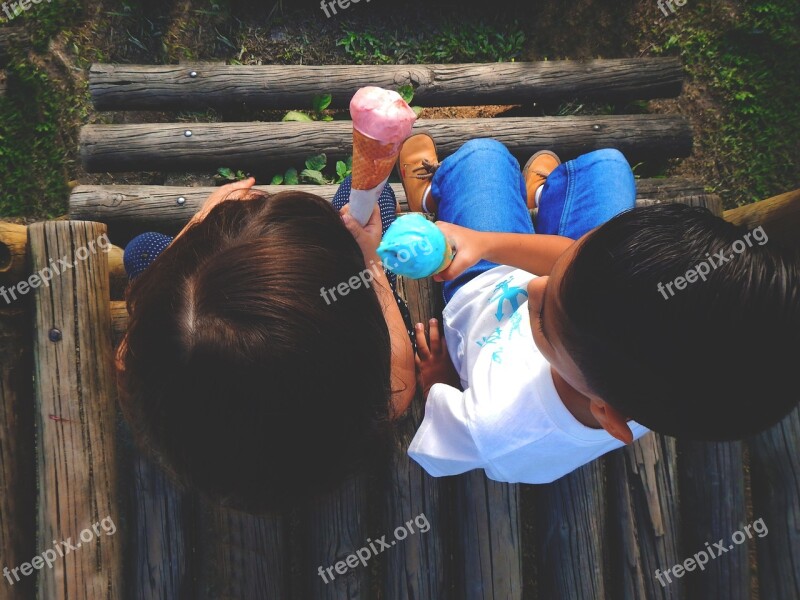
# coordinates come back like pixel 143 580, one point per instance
pixel 142 250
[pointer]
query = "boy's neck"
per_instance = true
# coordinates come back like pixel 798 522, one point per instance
pixel 576 403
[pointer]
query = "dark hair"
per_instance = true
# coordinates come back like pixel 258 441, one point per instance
pixel 245 382
pixel 716 360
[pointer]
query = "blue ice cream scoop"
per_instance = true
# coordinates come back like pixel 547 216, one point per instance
pixel 414 247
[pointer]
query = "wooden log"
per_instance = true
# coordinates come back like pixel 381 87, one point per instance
pixel 713 505
pixel 418 566
pixel 172 87
pixel 75 396
pixel 488 545
pixel 644 484
pixel 119 320
pixel 13 256
pixel 139 208
pixel 166 146
pixel 779 216
pixel 572 540
pixel 17 465
pixel 13 253
pixel 775 468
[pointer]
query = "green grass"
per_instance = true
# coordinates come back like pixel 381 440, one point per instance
pixel 451 42
pixel 752 65
pixel 36 142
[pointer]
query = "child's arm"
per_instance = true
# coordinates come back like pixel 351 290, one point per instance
pixel 404 384
pixel 534 253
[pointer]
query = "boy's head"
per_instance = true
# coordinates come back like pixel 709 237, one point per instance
pixel 677 319
pixel 248 383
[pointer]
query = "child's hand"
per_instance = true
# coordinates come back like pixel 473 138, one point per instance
pixel 237 190
pixel 469 248
pixel 369 236
pixel 433 362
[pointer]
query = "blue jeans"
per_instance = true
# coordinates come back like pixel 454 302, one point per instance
pixel 481 187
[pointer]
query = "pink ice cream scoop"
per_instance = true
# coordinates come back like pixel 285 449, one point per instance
pixel 382 114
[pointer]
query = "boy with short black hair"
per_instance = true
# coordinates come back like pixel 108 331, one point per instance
pixel 559 369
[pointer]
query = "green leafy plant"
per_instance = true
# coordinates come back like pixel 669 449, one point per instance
pixel 313 173
pixel 319 103
pixel 407 93
pixel 226 175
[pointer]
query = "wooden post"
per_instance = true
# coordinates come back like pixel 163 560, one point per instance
pixel 645 489
pixel 76 416
pixel 418 566
pixel 572 535
pixel 713 506
pixel 779 216
pixel 17 466
pixel 201 146
pixel 775 468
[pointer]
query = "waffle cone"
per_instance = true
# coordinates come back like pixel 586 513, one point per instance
pixel 373 161
pixel 446 259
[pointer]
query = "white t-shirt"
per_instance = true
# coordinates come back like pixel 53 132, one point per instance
pixel 510 420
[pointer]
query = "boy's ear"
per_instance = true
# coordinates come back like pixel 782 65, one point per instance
pixel 611 420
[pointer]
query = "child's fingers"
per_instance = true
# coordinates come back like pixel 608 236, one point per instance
pixel 422 344
pixel 436 346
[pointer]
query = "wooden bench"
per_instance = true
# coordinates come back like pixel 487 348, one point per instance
pixel 600 532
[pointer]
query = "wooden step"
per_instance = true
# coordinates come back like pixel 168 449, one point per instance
pixel 197 87
pixel 158 208
pixel 208 146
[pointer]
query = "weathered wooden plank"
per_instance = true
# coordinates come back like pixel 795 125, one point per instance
pixel 417 566
pixel 779 216
pixel 166 146
pixel 644 484
pixel 17 466
pixel 775 468
pixel 161 549
pixel 572 537
pixel 488 547
pixel 336 527
pixel 713 506
pixel 139 208
pixel 242 555
pixel 75 396
pixel 196 87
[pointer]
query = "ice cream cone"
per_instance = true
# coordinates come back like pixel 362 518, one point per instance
pixel 449 255
pixel 373 161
